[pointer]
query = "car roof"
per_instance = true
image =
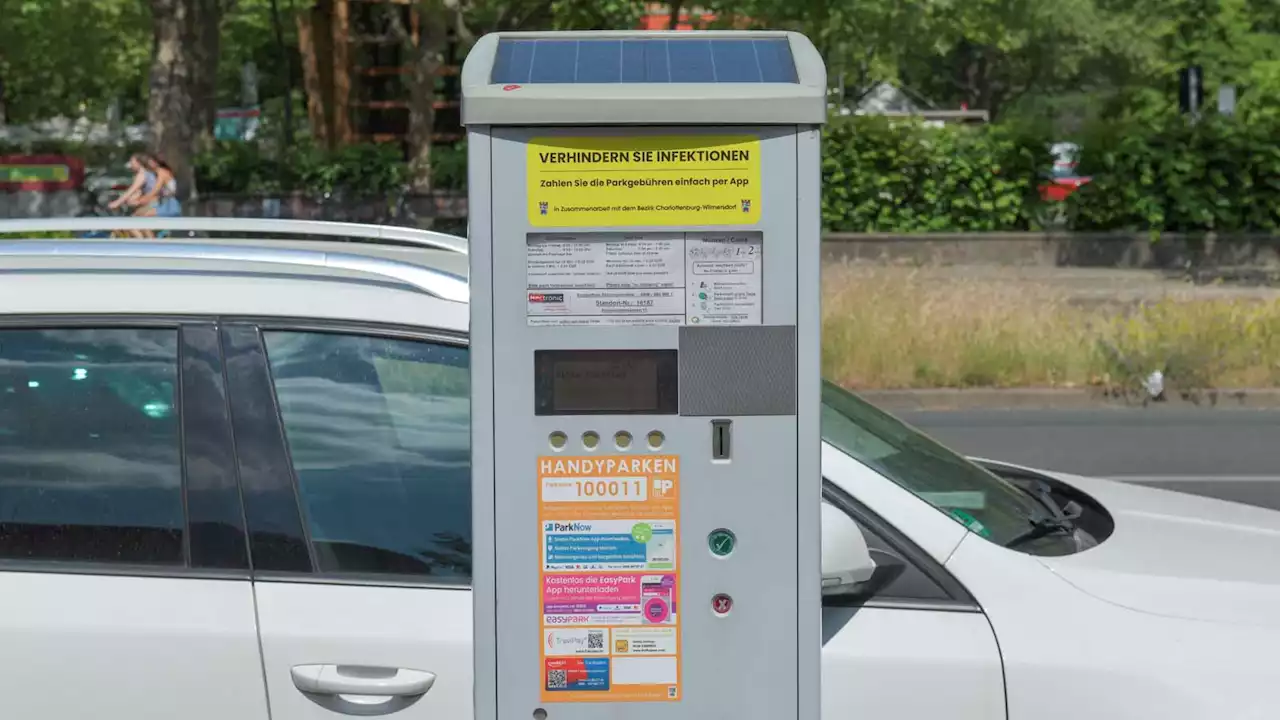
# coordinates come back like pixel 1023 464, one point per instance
pixel 357 272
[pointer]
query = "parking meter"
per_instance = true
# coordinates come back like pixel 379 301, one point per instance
pixel 644 232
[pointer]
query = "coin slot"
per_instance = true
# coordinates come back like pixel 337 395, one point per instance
pixel 721 439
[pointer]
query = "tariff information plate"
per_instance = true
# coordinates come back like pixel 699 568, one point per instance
pixel 658 278
pixel 650 180
pixel 610 577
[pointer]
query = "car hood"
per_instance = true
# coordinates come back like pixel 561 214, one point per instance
pixel 1180 555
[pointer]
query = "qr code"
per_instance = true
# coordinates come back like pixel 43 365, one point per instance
pixel 671 691
pixel 556 680
pixel 595 639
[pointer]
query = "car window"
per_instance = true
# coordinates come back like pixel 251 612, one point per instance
pixel 378 430
pixel 987 505
pixel 90 459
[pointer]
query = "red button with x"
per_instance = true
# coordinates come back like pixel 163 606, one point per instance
pixel 721 604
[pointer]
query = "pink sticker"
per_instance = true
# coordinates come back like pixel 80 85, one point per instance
pixel 656 610
pixel 578 593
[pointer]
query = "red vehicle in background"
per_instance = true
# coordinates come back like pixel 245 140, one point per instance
pixel 1063 179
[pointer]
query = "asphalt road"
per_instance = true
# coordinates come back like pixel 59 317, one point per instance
pixel 1231 454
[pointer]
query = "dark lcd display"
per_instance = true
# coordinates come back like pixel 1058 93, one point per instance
pixel 605 382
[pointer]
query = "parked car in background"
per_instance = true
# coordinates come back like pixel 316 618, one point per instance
pixel 235 483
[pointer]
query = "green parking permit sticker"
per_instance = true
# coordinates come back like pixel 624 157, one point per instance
pixel 970 522
pixel 642 533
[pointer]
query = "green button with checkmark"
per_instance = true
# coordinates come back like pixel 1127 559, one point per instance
pixel 721 542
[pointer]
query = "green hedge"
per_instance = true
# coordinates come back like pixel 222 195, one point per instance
pixel 360 170
pixel 1217 175
pixel 355 170
pixel 894 175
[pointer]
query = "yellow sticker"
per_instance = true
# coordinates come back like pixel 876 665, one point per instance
pixel 654 180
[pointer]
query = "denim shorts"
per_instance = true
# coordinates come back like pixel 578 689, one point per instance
pixel 168 207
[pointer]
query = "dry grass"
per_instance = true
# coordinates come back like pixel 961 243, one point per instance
pixel 891 327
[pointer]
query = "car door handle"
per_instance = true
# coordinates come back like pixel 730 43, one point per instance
pixel 361 680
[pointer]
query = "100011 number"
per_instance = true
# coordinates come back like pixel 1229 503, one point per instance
pixel 625 489
pixel 595 489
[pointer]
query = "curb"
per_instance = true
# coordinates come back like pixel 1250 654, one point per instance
pixel 954 399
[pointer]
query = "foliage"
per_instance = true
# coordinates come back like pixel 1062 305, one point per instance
pixel 861 41
pixel 1219 174
pixel 361 170
pixel 65 57
pixel 935 327
pixel 995 54
pixel 1236 42
pixel 881 175
pixel 248 36
pixel 1090 57
pixel 595 14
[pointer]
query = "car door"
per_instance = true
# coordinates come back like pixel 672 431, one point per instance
pixel 123 565
pixel 353 444
pixel 915 645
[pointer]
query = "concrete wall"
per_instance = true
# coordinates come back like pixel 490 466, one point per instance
pixel 1120 250
pixel 32 204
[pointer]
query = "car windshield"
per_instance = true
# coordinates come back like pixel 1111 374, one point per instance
pixel 985 504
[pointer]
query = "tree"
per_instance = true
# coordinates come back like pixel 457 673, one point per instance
pixel 860 40
pixel 441 22
pixel 599 15
pixel 182 105
pixel 994 54
pixel 170 105
pixel 71 57
pixel 1234 41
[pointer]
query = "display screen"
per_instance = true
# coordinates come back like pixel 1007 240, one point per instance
pixel 605 382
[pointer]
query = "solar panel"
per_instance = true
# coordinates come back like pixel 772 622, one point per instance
pixel 532 61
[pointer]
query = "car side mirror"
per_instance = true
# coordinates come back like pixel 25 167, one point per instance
pixel 846 561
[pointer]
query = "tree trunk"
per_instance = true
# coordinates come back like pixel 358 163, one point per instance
pixel 170 106
pixel 313 44
pixel 277 27
pixel 673 20
pixel 341 59
pixel 427 56
pixel 205 47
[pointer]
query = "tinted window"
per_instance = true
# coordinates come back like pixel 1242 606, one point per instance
pixel 379 432
pixel 90 465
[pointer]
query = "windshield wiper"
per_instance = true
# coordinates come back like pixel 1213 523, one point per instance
pixel 1043 527
pixel 1059 519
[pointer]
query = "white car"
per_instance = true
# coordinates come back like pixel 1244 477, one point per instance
pixel 234 484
